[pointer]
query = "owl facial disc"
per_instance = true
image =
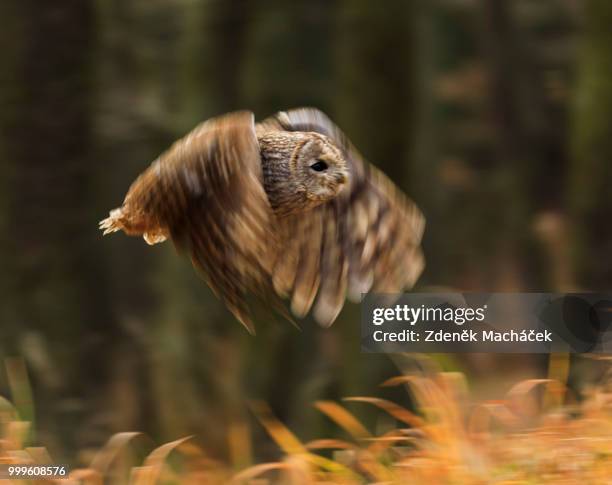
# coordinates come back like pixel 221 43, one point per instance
pixel 320 168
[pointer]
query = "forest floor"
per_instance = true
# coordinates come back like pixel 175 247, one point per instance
pixel 536 433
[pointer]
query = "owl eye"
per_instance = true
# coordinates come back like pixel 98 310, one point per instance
pixel 319 166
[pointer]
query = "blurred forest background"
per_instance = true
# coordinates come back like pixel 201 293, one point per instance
pixel 495 116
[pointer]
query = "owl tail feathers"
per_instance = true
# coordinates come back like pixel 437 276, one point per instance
pixel 113 223
pixel 118 220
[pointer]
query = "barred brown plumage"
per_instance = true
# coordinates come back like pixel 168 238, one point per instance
pixel 285 207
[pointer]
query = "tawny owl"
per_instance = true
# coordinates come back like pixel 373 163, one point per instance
pixel 281 208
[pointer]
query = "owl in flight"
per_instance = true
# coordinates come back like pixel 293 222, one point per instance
pixel 283 208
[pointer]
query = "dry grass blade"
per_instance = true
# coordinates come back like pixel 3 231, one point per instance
pixel 330 466
pixel 279 433
pixel 299 470
pixel 417 385
pixel 343 418
pixel 40 455
pixel 442 414
pixel 84 476
pixel 524 387
pixel 482 416
pixel 330 445
pixel 382 443
pixel 20 388
pixel 257 470
pixel 239 443
pixel 111 450
pixel 288 442
pixel 154 463
pixel 558 371
pixel 521 400
pixel 376 470
pixel 394 410
pixel 454 384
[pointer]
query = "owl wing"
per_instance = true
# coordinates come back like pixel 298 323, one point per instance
pixel 366 239
pixel 206 192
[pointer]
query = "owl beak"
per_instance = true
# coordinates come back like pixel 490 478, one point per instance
pixel 341 178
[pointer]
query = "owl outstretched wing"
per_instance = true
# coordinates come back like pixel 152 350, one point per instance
pixel 206 193
pixel 365 239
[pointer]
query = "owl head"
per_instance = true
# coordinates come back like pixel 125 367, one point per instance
pixel 319 168
pixel 301 170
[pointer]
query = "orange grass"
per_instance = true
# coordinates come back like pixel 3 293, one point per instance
pixel 532 435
